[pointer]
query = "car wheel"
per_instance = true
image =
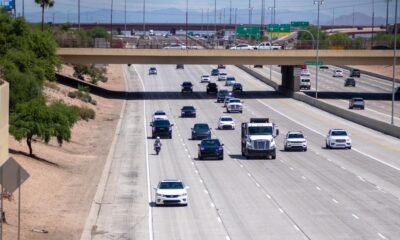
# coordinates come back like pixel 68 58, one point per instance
pixel 286 149
pixel 200 157
pixel 349 148
pixel 153 136
pixel 241 111
pixel 170 136
pixel 327 146
pixel 305 149
pixel 273 156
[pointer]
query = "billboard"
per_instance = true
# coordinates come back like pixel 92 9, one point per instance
pixel 9 5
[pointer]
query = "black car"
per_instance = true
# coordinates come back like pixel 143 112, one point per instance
pixel 357 103
pixel 161 128
pixel 355 72
pixel 200 131
pixel 211 148
pixel 152 71
pixel 214 72
pixel 221 95
pixel 350 82
pixel 180 66
pixel 187 87
pixel 237 87
pixel 188 111
pixel 258 66
pixel 221 66
pixel 212 88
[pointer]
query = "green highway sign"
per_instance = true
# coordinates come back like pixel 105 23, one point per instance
pixel 245 31
pixel 279 28
pixel 300 24
pixel 314 63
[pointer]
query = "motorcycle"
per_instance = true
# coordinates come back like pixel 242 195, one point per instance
pixel 157 148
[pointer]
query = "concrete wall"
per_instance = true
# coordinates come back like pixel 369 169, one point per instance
pixel 4 102
pixel 351 116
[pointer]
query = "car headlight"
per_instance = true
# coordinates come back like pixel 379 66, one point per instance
pixel 159 195
pixel 202 148
pixel 184 195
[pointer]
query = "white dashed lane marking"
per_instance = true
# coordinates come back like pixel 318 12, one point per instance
pixel 335 201
pixel 381 236
pixel 355 216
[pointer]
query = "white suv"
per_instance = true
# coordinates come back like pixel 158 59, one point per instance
pixel 222 76
pixel 205 78
pixel 226 122
pixel 337 73
pixel 171 192
pixel 338 138
pixel 295 140
pixel 160 115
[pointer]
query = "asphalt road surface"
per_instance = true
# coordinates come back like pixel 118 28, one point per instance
pixel 318 194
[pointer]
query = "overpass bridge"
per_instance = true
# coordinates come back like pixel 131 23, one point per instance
pixel 288 59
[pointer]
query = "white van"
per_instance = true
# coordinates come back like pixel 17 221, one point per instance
pixel 305 83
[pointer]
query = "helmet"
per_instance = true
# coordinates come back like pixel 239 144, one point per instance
pixel 158 138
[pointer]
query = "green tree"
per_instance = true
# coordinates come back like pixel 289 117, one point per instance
pixel 34 119
pixel 44 4
pixel 339 39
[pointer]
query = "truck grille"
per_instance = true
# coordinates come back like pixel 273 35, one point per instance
pixel 261 144
pixel 340 140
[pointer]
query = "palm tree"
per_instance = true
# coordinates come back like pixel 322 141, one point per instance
pixel 44 4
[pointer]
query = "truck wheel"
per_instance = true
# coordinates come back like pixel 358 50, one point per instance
pixel 327 146
pixel 273 156
pixel 305 149
pixel 200 157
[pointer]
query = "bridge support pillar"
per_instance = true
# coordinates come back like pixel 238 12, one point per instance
pixel 288 79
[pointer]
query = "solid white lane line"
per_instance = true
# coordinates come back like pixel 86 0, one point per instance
pixel 321 134
pixel 355 216
pixel 150 211
pixel 335 201
pixel 241 165
pixel 381 236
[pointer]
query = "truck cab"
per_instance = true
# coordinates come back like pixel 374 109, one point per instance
pixel 258 138
pixel 267 46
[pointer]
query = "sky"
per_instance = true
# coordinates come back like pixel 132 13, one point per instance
pixel 284 8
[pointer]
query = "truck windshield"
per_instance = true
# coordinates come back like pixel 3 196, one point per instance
pixel 260 130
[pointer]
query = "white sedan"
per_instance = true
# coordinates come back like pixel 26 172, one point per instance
pixel 242 47
pixel 337 73
pixel 171 192
pixel 226 122
pixel 160 115
pixel 222 76
pixel 176 46
pixel 205 78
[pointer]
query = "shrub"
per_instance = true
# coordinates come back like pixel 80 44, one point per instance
pixel 72 94
pixel 87 113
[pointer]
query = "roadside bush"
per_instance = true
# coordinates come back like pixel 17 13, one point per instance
pixel 87 113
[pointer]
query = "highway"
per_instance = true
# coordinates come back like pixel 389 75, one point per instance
pixel 377 109
pixel 318 194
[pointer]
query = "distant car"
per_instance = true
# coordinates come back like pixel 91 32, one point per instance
pixel 237 87
pixel 234 105
pixel 212 88
pixel 200 131
pixel 295 140
pixel 357 103
pixel 180 66
pixel 226 122
pixel 230 81
pixel 337 73
pixel 242 47
pixel 355 72
pixel 221 95
pixel 171 192
pixel 188 111
pixel 214 72
pixel 159 115
pixel 221 66
pixel 305 83
pixel 187 87
pixel 161 128
pixel 350 82
pixel 258 66
pixel 205 78
pixel 338 138
pixel 323 67
pixel 305 72
pixel 152 71
pixel 211 148
pixel 175 46
pixel 222 76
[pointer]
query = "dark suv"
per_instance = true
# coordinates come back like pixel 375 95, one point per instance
pixel 153 71
pixel 188 111
pixel 214 72
pixel 350 82
pixel 200 131
pixel 355 72
pixel 187 87
pixel 180 66
pixel 237 87
pixel 211 148
pixel 212 88
pixel 221 95
pixel 161 128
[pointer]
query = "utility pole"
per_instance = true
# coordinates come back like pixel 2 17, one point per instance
pixel 23 8
pixel 202 22
pixel 394 61
pixel 274 11
pixel 230 12
pixel 144 17
pixel 319 3
pixel 333 18
pixel 187 10
pixel 236 16
pixel 373 23
pixel 207 19
pixel 79 14
pixel 353 17
pixel 111 22
pixel 387 14
pixel 215 21
pixel 249 12
pixel 125 16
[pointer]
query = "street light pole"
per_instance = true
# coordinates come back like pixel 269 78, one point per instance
pixel 387 14
pixel 319 3
pixel 144 17
pixel 215 23
pixel 373 23
pixel 111 23
pixel 394 60
pixel 79 14
pixel 125 16
pixel 274 11
pixel 187 8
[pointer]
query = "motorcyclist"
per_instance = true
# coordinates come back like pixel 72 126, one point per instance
pixel 157 142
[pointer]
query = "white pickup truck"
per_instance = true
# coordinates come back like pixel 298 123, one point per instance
pixel 267 46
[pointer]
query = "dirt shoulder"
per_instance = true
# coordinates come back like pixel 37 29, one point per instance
pixel 58 195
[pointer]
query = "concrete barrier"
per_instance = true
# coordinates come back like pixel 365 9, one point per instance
pixel 4 118
pixel 374 124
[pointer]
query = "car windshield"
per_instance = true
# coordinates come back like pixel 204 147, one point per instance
pixel 339 133
pixel 161 123
pixel 230 79
pixel 159 113
pixel 261 130
pixel 153 68
pixel 222 74
pixel 226 119
pixel 210 142
pixel 171 185
pixel 205 76
pixel 201 127
pixel 295 135
pixel 305 80
pixel 187 108
pixel 234 100
pixel 358 100
pixel 187 84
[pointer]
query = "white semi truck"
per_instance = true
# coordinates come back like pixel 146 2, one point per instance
pixel 258 138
